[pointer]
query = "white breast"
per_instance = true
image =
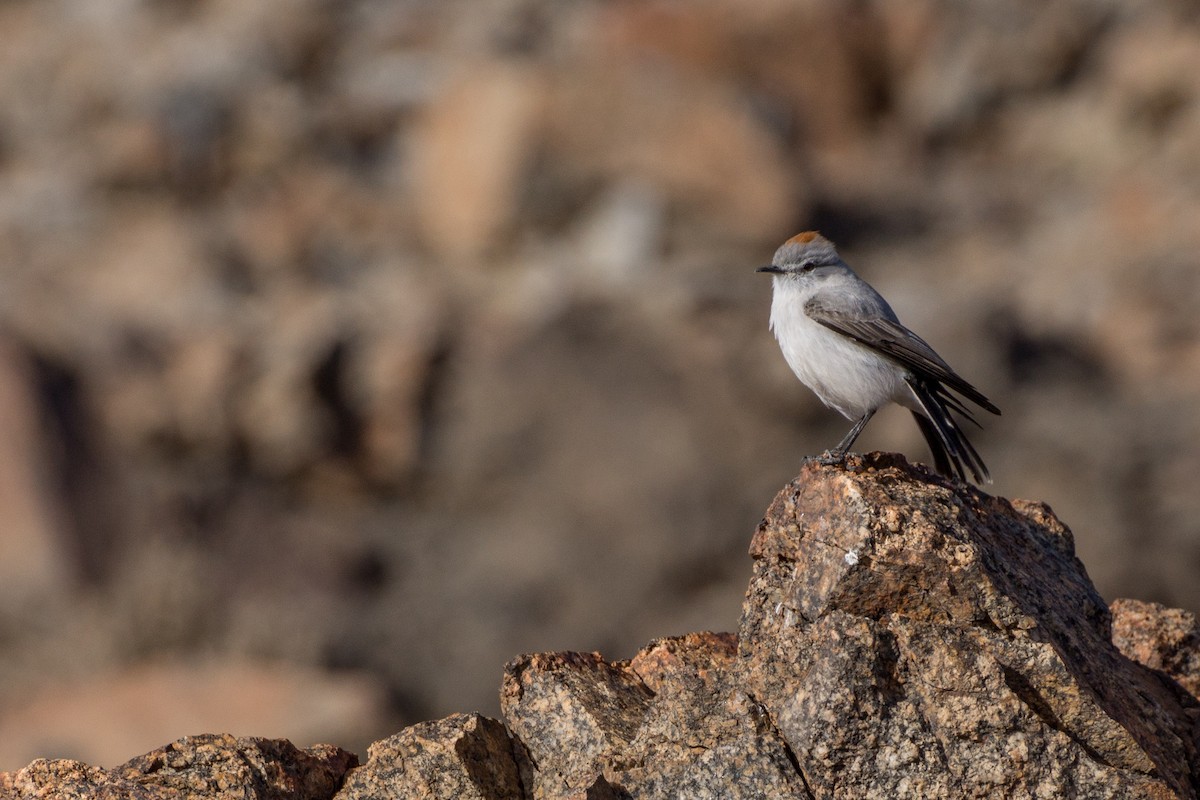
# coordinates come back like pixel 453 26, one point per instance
pixel 845 375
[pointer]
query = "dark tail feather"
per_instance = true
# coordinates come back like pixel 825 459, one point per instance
pixel 955 404
pixel 952 451
pixel 941 461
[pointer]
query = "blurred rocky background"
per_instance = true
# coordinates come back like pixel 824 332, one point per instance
pixel 349 348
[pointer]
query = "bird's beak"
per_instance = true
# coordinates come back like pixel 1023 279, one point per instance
pixel 769 268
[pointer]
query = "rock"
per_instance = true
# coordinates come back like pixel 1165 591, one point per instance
pixel 916 638
pixel 601 789
pixel 217 766
pixel 670 723
pixel 464 756
pixel 268 768
pixel 474 141
pixel 571 711
pixel 1164 639
pixel 902 636
pixel 68 780
pixel 704 737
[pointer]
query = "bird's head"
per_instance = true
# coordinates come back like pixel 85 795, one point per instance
pixel 802 254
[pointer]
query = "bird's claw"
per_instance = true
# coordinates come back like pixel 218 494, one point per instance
pixel 831 459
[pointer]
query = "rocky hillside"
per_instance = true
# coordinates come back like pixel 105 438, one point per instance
pixel 901 637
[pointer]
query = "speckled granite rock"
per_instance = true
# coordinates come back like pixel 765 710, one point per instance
pixel 902 636
pixel 1165 639
pixel 214 767
pixel 465 756
pixel 916 638
pixel 670 723
pixel 571 711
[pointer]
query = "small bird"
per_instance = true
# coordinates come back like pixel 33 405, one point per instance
pixel 844 342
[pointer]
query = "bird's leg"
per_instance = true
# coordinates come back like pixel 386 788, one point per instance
pixel 838 453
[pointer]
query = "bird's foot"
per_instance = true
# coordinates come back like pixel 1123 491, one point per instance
pixel 831 458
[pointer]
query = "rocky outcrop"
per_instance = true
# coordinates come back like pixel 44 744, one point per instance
pixel 902 636
pixel 215 767
pixel 915 638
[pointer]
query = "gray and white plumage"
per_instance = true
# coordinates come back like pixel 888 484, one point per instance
pixel 844 342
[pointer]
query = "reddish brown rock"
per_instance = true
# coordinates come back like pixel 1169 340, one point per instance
pixel 1165 639
pixel 66 779
pixel 681 660
pixel 213 766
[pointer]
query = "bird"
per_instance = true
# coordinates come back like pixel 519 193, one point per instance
pixel 845 343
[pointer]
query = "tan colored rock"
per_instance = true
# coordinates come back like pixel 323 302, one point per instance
pixel 1164 639
pixel 703 657
pixel 704 736
pixel 215 766
pixel 570 711
pixel 461 757
pixel 65 779
pixel 594 730
pixel 469 151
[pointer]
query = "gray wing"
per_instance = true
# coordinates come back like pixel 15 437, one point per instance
pixel 891 339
